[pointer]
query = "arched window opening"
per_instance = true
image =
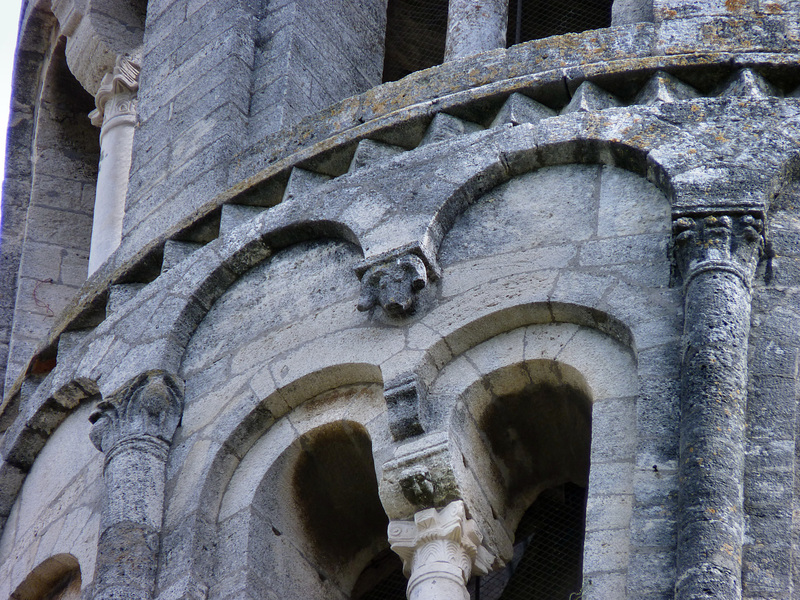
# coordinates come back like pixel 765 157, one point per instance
pixel 536 19
pixel 316 519
pixel 58 223
pixel 382 579
pixel 548 551
pixel 57 578
pixel 416 31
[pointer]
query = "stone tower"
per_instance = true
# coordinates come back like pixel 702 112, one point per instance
pixel 478 298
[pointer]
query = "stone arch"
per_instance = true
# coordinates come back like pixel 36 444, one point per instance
pixel 57 510
pixel 57 578
pixel 297 508
pixel 54 249
pixel 571 386
pixel 215 459
pixel 531 157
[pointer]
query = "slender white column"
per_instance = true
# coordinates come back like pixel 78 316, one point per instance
pixel 440 549
pixel 116 117
pixel 475 26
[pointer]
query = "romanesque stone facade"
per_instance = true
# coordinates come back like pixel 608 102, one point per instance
pixel 357 298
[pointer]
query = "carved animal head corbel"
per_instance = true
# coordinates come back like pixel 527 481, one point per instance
pixel 394 285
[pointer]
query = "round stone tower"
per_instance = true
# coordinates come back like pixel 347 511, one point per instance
pixel 367 299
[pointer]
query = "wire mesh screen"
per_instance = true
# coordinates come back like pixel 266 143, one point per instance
pixel 547 562
pixel 535 19
pixel 416 30
pixel 548 551
pixel 415 36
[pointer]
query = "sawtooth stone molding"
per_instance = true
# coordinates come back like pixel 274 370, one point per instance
pixel 717 255
pixel 441 550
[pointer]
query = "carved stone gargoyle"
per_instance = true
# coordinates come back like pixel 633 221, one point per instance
pixel 394 285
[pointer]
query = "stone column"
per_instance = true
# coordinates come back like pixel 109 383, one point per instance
pixel 717 255
pixel 116 116
pixel 134 430
pixel 475 26
pixel 440 549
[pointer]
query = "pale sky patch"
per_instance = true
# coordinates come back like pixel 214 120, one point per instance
pixel 9 22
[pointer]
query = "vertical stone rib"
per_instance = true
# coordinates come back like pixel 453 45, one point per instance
pixel 134 431
pixel 717 256
pixel 475 26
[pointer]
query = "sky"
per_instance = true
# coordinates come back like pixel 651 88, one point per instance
pixel 9 21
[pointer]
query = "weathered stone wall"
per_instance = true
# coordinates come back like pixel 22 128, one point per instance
pixel 771 489
pixel 397 274
pixel 58 508
pixel 57 230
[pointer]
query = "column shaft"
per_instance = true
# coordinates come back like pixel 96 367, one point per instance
pixel 116 116
pixel 717 256
pixel 475 26
pixel 134 431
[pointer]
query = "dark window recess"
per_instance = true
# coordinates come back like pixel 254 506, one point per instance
pixel 382 579
pixel 536 19
pixel 548 552
pixel 415 36
pixel 547 563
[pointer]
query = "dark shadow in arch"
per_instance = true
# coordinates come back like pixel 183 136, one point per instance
pixel 57 578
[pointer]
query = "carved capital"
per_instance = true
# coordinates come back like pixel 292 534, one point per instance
pixel 147 409
pixel 393 284
pixel 440 544
pixel 729 242
pixel 117 93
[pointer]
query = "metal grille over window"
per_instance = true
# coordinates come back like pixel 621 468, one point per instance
pixel 416 31
pixel 547 562
pixel 535 19
pixel 548 552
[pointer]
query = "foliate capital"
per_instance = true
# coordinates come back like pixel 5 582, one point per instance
pixel 147 408
pixel 117 93
pixel 437 537
pixel 723 241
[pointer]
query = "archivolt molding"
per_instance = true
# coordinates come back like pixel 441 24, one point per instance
pixel 232 464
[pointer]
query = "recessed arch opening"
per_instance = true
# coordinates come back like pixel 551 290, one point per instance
pixel 313 521
pixel 57 578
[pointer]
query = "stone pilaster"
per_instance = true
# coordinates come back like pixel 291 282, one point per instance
pixel 475 26
pixel 441 550
pixel 116 116
pixel 134 430
pixel 717 256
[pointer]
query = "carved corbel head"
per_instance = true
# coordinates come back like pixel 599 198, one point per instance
pixel 394 285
